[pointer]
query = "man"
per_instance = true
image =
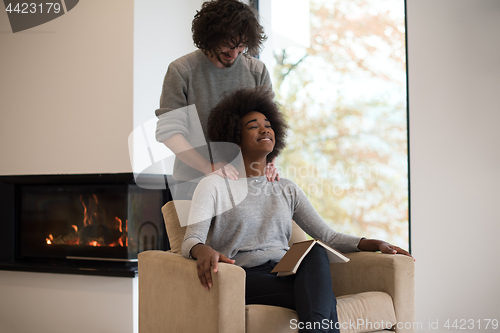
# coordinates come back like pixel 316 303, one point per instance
pixel 227 34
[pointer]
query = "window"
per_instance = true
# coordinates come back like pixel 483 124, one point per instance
pixel 339 70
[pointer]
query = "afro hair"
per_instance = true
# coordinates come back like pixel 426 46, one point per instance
pixel 224 121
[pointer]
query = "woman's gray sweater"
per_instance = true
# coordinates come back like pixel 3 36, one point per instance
pixel 250 219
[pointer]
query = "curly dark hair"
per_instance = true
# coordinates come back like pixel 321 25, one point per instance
pixel 227 21
pixel 224 121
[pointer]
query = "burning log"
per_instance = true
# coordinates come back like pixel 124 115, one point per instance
pixel 102 235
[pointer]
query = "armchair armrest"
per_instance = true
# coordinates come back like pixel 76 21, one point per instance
pixel 171 298
pixel 390 273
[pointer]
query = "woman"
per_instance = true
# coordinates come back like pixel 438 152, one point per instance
pixel 253 232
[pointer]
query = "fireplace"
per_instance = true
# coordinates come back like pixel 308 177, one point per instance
pixel 83 223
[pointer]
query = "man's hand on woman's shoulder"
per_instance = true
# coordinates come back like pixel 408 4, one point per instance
pixel 272 172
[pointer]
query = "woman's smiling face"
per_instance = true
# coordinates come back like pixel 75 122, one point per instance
pixel 257 135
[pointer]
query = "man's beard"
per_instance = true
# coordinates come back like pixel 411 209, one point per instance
pixel 224 62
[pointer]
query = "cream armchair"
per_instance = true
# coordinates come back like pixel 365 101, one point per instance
pixel 374 291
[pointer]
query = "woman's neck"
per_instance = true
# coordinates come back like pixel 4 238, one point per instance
pixel 255 167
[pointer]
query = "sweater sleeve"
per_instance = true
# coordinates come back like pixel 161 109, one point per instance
pixel 311 222
pixel 195 234
pixel 172 115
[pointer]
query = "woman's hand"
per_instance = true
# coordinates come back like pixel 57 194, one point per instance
pixel 222 169
pixel 272 172
pixel 392 249
pixel 206 258
pixel 384 247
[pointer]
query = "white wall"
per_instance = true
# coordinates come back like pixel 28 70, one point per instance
pixel 66 107
pixel 66 92
pixel 454 84
pixel 162 33
pixel 53 303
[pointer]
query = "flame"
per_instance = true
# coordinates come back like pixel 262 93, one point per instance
pixel 50 239
pixel 92 217
pixel 126 230
pixel 117 219
pixel 90 210
pixel 84 211
pixel 119 224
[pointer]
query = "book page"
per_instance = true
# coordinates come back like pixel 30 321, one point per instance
pixel 333 255
pixel 293 257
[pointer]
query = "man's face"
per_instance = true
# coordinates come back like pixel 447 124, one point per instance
pixel 225 55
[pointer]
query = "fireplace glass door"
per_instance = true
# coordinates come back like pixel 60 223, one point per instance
pixel 89 221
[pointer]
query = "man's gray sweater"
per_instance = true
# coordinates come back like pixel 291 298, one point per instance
pixel 250 219
pixel 192 87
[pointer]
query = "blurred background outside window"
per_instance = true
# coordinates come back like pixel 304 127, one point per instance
pixel 338 68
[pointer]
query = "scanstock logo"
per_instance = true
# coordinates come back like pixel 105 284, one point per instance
pixel 25 15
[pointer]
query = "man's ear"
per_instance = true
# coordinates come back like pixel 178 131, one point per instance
pixel 209 53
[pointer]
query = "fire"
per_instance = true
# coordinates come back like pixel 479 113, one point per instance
pixel 126 230
pixel 50 239
pixel 120 228
pixel 117 219
pixel 94 219
pixel 90 210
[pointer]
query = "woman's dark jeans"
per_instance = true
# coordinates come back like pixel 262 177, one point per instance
pixel 309 291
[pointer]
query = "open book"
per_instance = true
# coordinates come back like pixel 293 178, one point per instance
pixel 290 262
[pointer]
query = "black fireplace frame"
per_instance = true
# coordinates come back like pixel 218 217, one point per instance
pixel 10 258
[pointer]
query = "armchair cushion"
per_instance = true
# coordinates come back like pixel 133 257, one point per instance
pixel 268 318
pixel 364 312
